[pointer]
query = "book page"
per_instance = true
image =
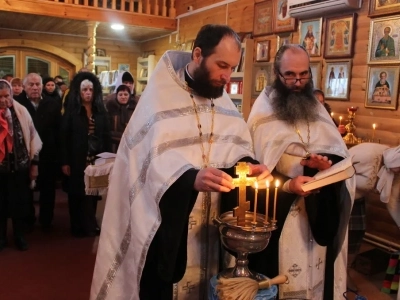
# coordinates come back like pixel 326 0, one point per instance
pixel 336 168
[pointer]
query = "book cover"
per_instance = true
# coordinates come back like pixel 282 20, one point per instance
pixel 340 171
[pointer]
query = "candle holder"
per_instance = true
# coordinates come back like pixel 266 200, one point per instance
pixel 243 231
pixel 350 137
pixel 251 238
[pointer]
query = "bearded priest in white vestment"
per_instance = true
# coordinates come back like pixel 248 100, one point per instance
pixel 295 136
pixel 157 239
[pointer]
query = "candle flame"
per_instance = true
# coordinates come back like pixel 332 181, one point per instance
pixel 374 126
pixel 267 183
pixel 340 117
pixel 256 185
pixel 331 114
pixel 277 183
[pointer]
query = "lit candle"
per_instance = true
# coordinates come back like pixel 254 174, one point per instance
pixel 170 39
pixel 340 120
pixel 373 130
pixel 331 114
pixel 255 203
pixel 275 198
pixel 266 201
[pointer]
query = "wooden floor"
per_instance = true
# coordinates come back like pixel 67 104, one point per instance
pixel 59 267
pixel 369 286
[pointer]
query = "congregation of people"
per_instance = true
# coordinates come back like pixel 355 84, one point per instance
pixel 68 130
pixel 177 148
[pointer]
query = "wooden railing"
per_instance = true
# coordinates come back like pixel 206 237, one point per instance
pixel 160 14
pixel 164 8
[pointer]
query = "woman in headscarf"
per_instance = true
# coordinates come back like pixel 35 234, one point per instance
pixel 85 132
pixel 120 111
pixel 19 151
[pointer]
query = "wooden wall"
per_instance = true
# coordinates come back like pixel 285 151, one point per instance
pixel 121 52
pixel 239 15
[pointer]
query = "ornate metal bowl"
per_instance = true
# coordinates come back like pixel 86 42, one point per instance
pixel 251 238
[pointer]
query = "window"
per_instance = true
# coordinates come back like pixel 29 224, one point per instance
pixel 7 65
pixel 37 65
pixel 64 74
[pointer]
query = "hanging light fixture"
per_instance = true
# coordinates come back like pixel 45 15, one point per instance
pixel 117 26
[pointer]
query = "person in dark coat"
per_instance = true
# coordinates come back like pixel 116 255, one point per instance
pixel 85 132
pixel 120 110
pixel 51 89
pixel 19 148
pixel 46 115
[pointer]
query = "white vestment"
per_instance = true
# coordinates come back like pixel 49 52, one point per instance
pixel 373 169
pixel 277 145
pixel 160 143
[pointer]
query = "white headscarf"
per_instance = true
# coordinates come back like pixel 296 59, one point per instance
pixel 391 159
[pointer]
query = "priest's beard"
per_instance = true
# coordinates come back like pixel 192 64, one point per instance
pixel 294 106
pixel 203 85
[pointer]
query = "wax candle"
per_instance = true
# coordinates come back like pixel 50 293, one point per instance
pixel 255 203
pixel 275 199
pixel 373 130
pixel 170 39
pixel 340 120
pixel 266 201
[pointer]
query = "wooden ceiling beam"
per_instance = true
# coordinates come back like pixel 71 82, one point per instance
pixel 69 11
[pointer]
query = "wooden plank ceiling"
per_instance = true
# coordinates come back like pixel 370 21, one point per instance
pixel 61 26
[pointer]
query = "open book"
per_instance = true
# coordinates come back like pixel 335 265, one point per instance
pixel 340 171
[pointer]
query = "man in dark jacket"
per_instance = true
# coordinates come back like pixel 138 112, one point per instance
pixel 46 115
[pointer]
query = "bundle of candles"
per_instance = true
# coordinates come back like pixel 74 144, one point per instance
pixel 242 170
pixel 266 202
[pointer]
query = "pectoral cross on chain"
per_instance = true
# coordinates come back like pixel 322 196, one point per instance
pixel 242 169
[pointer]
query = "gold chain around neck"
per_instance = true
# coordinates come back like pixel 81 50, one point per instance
pixel 302 141
pixel 205 157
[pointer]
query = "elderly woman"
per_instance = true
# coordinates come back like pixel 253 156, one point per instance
pixel 19 148
pixel 85 133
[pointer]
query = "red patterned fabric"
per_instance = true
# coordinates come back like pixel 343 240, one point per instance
pixel 5 137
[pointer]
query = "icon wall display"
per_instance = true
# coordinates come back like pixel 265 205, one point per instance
pixel 384 40
pixel 310 36
pixel 262 50
pixel 382 87
pixel 263 18
pixel 339 36
pixel 337 79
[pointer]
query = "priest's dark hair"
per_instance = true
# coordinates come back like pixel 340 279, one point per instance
pixel 74 95
pixel 281 51
pixel 210 36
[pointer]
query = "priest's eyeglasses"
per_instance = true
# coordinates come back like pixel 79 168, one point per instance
pixel 292 78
